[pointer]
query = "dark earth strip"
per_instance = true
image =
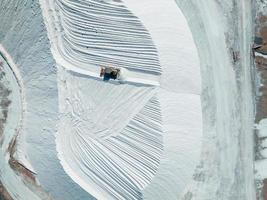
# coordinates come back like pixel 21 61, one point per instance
pixel 4 102
pixel 261 103
pixel 16 166
pixel 4 105
pixel 4 195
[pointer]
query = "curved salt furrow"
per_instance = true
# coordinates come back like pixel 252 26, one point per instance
pixel 20 152
pixel 98 33
pixel 114 142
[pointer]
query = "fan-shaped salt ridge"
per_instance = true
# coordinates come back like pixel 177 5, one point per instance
pixel 98 33
pixel 113 135
pixel 113 139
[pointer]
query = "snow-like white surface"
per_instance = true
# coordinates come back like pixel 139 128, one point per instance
pixel 141 139
pixel 260 168
pixel 20 154
pixel 12 127
pixel 226 168
pixel 115 143
pixel 174 42
pixel 179 96
pixel 24 36
pixel 262 128
pixel 264 143
pixel 107 35
pixel 261 165
pixel 127 141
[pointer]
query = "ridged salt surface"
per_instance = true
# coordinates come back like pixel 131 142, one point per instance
pixel 98 33
pixel 112 138
pixel 125 141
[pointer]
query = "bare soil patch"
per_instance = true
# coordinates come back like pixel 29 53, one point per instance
pixel 18 167
pixel 4 193
pixel 264 189
pixel 261 66
pixel 262 19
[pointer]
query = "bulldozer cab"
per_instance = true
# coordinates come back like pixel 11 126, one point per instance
pixel 109 73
